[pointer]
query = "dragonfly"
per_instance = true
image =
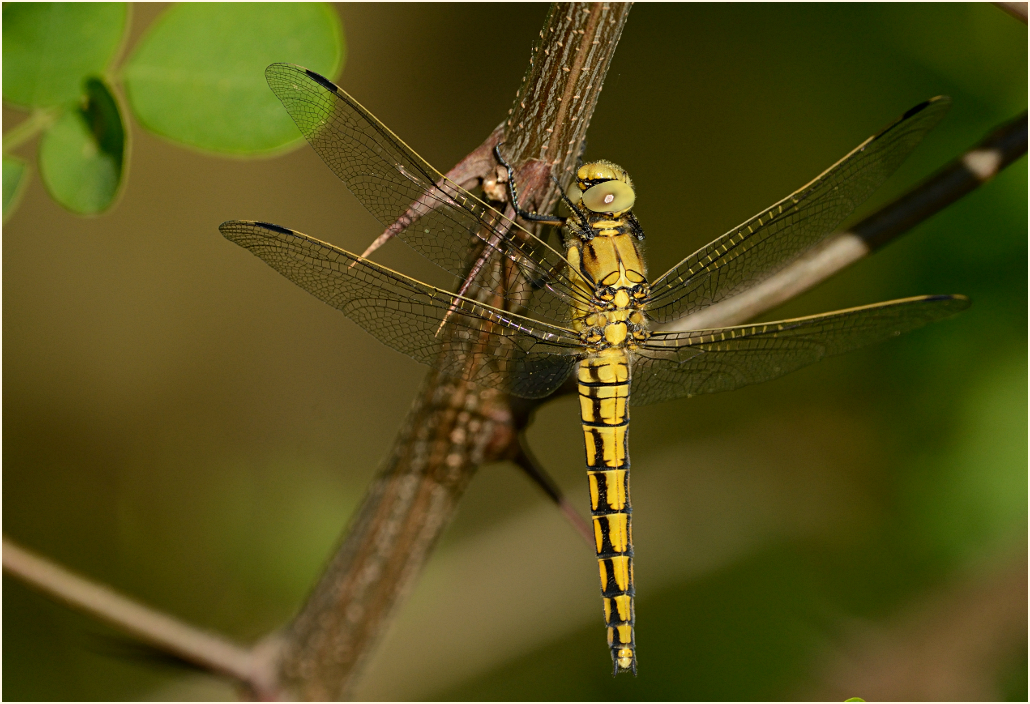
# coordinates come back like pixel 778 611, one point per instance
pixel 528 315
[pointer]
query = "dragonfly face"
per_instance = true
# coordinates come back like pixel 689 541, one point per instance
pixel 602 187
pixel 527 315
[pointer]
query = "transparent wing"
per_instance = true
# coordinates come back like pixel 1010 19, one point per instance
pixel 436 217
pixel 772 239
pixel 672 365
pixel 466 339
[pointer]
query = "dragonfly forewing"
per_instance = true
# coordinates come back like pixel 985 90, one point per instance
pixel 673 365
pixel 464 338
pixel 772 239
pixel 436 217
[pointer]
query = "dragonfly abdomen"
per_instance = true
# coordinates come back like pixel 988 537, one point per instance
pixel 604 381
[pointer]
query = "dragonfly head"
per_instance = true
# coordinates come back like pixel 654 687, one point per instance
pixel 602 187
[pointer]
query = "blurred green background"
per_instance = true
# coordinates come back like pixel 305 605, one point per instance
pixel 185 425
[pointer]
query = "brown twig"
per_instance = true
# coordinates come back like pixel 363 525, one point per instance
pixel 1003 146
pixel 170 635
pixel 468 173
pixel 1016 9
pixel 453 425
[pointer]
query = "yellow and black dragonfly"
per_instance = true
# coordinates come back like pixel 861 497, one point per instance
pixel 529 315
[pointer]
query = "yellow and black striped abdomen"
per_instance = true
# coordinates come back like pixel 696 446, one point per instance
pixel 604 404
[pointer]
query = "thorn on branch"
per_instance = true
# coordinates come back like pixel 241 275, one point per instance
pixel 528 463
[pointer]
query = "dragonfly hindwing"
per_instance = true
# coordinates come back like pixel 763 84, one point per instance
pixel 673 365
pixel 465 338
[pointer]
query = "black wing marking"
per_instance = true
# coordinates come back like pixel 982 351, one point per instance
pixel 772 239
pixel 464 338
pixel 673 365
pixel 393 183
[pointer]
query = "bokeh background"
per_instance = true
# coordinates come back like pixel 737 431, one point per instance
pixel 182 423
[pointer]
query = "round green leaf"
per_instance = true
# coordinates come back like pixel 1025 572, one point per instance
pixel 81 156
pixel 198 76
pixel 15 172
pixel 50 47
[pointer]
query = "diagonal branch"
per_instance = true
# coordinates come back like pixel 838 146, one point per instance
pixel 168 634
pixel 552 109
pixel 468 173
pixel 453 426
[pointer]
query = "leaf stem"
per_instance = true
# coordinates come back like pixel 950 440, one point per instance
pixel 37 121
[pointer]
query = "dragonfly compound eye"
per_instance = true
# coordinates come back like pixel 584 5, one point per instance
pixel 609 197
pixel 573 193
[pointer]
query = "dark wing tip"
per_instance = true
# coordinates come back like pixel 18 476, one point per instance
pixel 958 301
pixel 276 71
pixel 321 80
pixel 929 113
pixel 945 305
pixel 941 102
pixel 273 70
pixel 233 227
pixel 274 228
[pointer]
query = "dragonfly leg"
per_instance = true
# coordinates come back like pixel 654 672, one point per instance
pixel 586 231
pixel 638 231
pixel 554 220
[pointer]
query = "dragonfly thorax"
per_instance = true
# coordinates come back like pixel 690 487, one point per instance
pixel 611 268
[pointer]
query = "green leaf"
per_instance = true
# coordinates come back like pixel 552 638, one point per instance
pixel 50 47
pixel 15 172
pixel 81 156
pixel 198 76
